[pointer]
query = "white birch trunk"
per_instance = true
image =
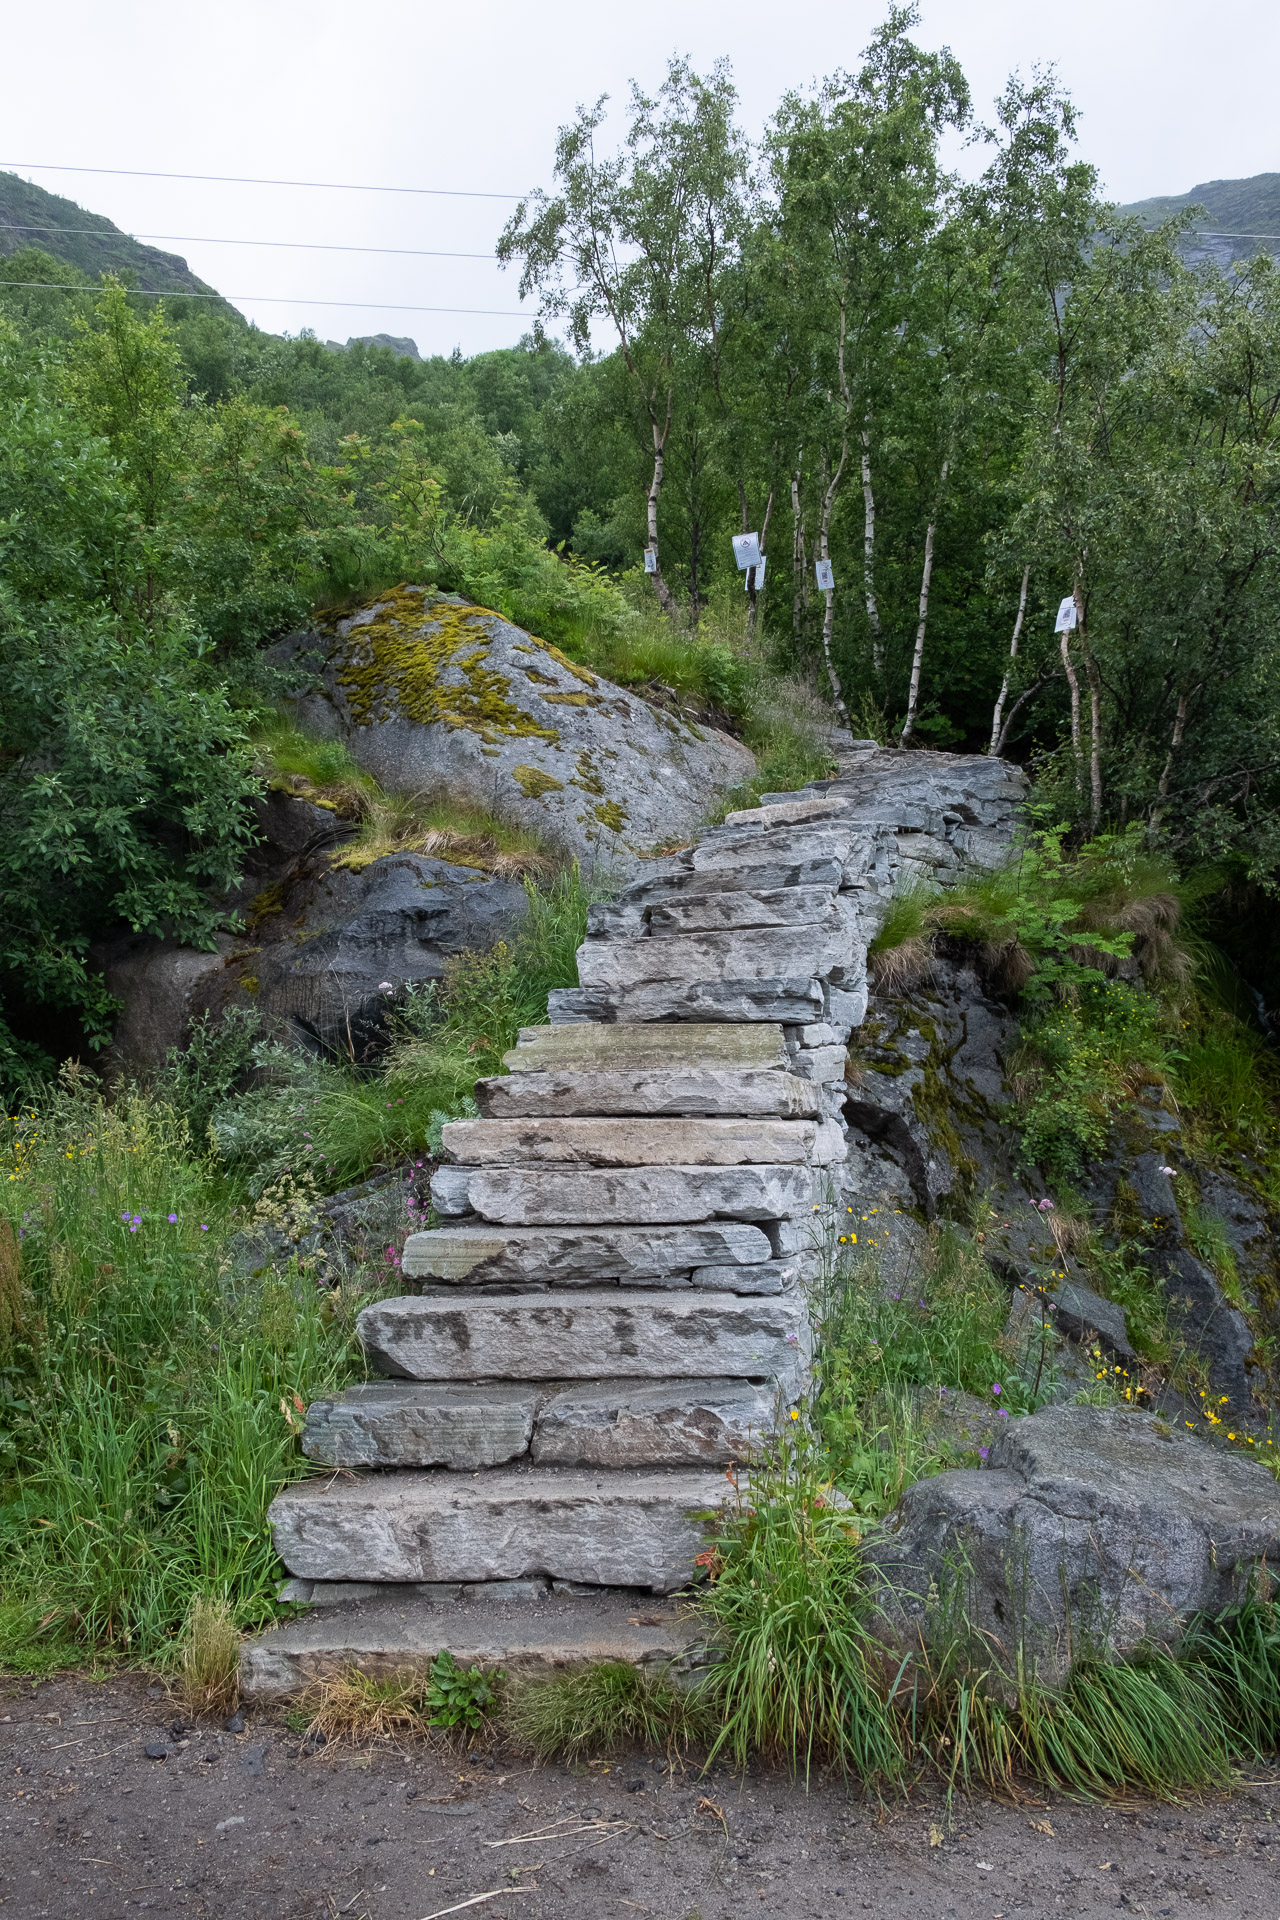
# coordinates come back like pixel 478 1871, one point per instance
pixel 917 657
pixel 997 716
pixel 869 557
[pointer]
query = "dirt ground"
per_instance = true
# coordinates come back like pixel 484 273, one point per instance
pixel 247 1826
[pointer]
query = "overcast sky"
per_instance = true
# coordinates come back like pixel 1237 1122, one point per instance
pixel 469 95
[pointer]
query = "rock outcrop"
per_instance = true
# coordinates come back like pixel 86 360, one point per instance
pixel 434 695
pixel 1089 1533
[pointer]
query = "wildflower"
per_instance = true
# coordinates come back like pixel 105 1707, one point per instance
pixel 1044 1206
pixel 794 1414
pixel 385 986
pixel 997 1388
pixel 982 1453
pixel 1169 1170
pixel 203 1227
pixel 173 1219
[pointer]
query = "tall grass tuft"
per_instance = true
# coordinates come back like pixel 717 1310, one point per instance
pixel 152 1408
pixel 603 1709
pixel 800 1675
pixel 210 1657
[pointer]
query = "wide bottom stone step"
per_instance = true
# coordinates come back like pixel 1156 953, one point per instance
pixel 601 1423
pixel 635 1529
pixel 397 1634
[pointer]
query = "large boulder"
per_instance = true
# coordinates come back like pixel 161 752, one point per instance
pixel 1089 1532
pixel 433 694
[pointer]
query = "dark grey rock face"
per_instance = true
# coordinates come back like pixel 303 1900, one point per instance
pixel 1090 1531
pixel 326 957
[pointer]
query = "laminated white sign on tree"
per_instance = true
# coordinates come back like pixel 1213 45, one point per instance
pixel 746 549
pixel 650 560
pixel 1066 619
pixel 760 567
pixel 824 574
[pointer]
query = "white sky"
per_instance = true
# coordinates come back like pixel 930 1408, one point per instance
pixel 395 92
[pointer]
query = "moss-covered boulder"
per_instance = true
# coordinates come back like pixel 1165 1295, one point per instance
pixel 434 695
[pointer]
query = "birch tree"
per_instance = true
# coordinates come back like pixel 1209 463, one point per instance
pixel 641 239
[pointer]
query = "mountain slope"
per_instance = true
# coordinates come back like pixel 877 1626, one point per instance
pixel 30 217
pixel 1241 217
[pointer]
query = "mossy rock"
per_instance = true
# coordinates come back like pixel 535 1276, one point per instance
pixel 436 696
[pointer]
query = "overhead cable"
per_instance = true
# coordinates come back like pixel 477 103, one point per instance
pixel 237 180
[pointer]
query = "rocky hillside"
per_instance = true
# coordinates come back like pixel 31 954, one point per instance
pixel 32 217
pixel 1237 218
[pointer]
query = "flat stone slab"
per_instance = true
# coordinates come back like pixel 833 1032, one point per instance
pixel 578 1256
pixel 693 1093
pixel 397 1632
pixel 787 813
pixel 632 1142
pixel 603 1529
pixel 668 1423
pixel 599 1333
pixel 720 911
pixel 397 1423
pixel 772 953
pixel 739 1003
pixel 623 1048
pixel 542 1196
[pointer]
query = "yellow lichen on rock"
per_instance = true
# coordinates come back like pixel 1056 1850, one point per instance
pixel 533 782
pixel 395 664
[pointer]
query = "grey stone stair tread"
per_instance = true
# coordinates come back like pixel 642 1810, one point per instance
pixel 725 909
pixel 638 1196
pixel 772 953
pixel 617 1423
pixel 700 1092
pixel 604 1528
pixel 623 1047
pixel 578 1256
pixel 397 1423
pixel 399 1632
pixel 634 1142
pixel 600 1423
pixel 740 1004
pixel 590 1334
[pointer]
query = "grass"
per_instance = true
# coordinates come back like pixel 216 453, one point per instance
pixel 210 1657
pixel 603 1709
pixel 357 1708
pixel 151 1392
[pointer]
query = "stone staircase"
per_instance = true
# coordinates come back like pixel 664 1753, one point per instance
pixel 618 1306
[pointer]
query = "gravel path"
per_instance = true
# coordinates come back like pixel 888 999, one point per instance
pixel 244 1826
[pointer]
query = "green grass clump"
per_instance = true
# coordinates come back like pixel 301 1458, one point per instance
pixel 800 1676
pixel 152 1398
pixel 605 1708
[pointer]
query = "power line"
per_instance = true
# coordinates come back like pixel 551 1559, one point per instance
pixel 1215 233
pixel 211 240
pixel 264 299
pixel 237 180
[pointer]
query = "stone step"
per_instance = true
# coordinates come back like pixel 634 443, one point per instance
pixel 635 1142
pixel 397 1632
pixel 724 909
pixel 688 1093
pixel 595 1334
pixel 778 952
pixel 739 1003
pixel 626 915
pixel 790 812
pixel 620 1047
pixel 635 1529
pixel 666 1423
pixel 603 1423
pixel 752 845
pixel 636 1196
pixel 581 1256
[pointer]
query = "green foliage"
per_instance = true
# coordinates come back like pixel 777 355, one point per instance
pixel 460 1696
pixel 157 1395
pixel 603 1709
